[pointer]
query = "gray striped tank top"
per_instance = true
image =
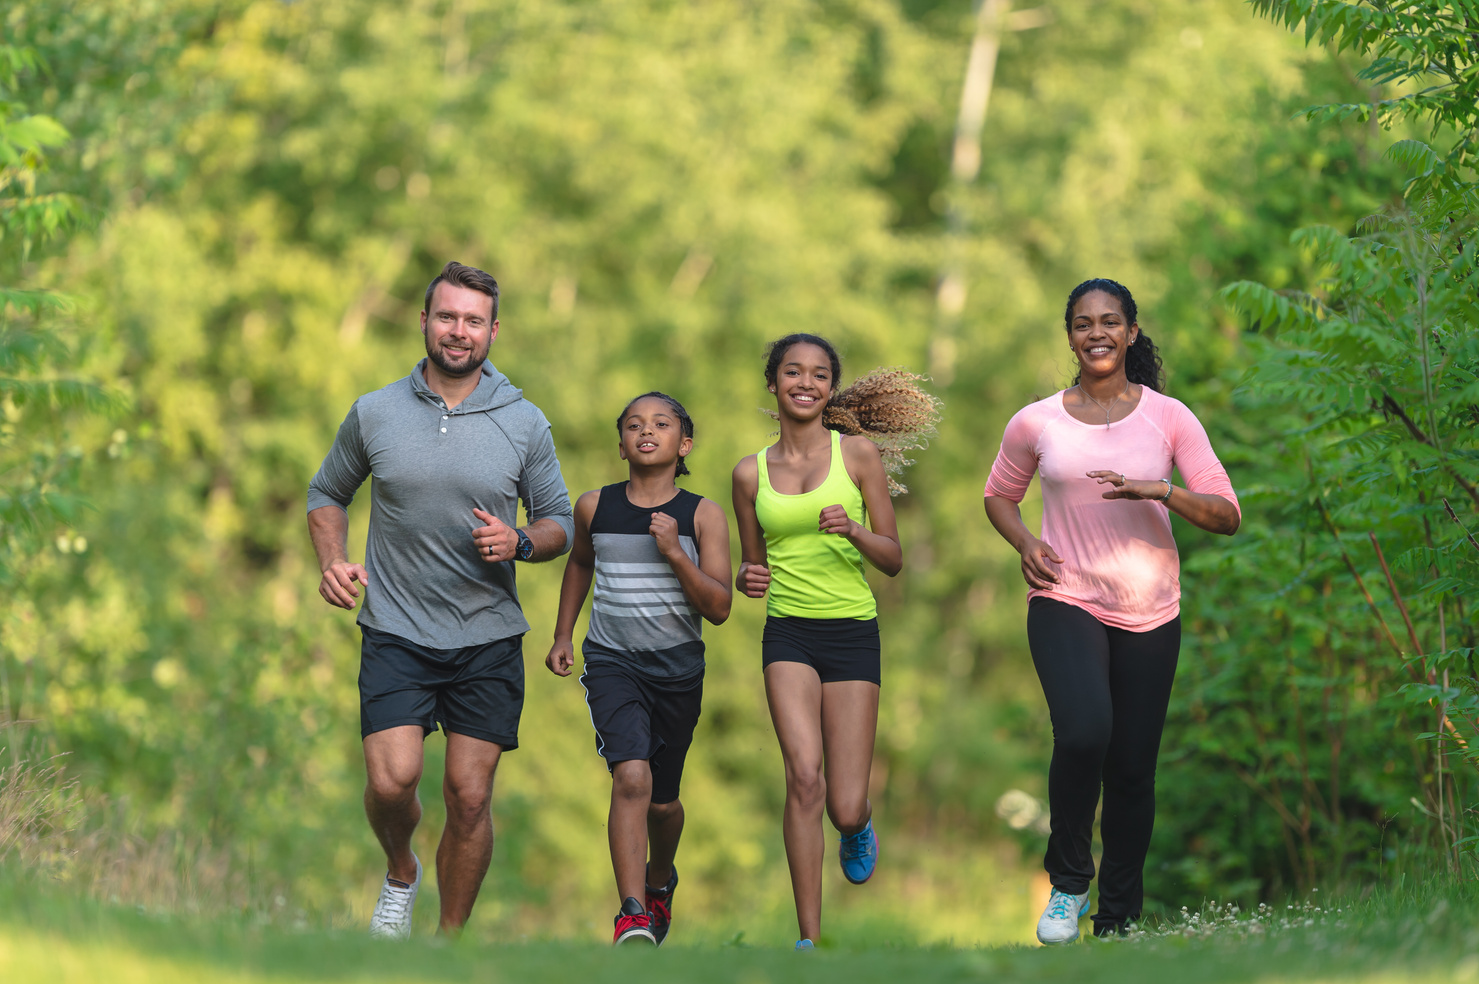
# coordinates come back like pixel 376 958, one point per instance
pixel 639 616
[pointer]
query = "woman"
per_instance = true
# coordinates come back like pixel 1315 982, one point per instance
pixel 801 506
pixel 1103 612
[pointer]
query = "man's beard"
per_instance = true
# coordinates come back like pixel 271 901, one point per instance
pixel 474 361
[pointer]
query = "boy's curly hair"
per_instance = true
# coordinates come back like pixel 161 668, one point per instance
pixel 887 406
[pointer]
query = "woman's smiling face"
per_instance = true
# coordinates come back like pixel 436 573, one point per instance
pixel 1099 336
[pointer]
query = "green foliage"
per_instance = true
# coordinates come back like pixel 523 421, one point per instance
pixel 660 189
pixel 1427 49
pixel 25 139
pixel 1356 575
pixel 38 475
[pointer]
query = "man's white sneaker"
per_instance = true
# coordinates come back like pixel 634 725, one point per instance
pixel 1059 922
pixel 392 917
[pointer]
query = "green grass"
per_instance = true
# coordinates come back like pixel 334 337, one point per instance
pixel 46 935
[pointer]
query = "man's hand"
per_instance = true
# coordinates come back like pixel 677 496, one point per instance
pixel 753 580
pixel 495 541
pixel 561 657
pixel 664 530
pixel 337 584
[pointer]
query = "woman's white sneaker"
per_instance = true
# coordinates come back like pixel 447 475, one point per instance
pixel 1059 922
pixel 392 917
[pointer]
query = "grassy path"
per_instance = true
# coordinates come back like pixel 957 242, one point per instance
pixel 46 937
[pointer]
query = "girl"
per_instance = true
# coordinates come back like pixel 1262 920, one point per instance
pixel 801 506
pixel 1103 615
pixel 659 557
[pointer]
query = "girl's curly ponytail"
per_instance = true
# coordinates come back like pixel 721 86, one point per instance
pixel 887 406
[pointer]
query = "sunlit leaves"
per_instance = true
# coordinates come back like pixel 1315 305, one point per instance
pixel 1426 48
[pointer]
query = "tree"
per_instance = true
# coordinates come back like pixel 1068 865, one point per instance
pixel 1370 375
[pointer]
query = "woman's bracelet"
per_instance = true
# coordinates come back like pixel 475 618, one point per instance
pixel 1167 496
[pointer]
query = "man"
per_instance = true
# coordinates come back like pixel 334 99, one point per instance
pixel 452 448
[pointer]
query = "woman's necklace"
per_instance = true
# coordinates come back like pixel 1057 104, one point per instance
pixel 1102 406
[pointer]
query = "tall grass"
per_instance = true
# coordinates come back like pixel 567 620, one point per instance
pixel 52 829
pixel 38 802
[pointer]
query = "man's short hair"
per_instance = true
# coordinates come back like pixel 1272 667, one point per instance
pixel 463 276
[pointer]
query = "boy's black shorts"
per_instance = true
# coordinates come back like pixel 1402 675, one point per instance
pixel 837 648
pixel 638 717
pixel 476 691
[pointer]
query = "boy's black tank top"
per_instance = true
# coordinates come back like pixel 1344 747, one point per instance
pixel 639 615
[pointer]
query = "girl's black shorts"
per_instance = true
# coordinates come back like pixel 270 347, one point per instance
pixel 837 648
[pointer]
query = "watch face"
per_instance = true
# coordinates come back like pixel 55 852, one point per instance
pixel 526 546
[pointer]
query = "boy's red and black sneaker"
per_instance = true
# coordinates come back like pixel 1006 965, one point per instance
pixel 660 907
pixel 633 924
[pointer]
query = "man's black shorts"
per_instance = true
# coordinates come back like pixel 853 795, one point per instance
pixel 476 691
pixel 638 717
pixel 837 648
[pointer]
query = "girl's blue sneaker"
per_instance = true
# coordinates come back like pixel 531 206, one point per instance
pixel 859 854
pixel 805 945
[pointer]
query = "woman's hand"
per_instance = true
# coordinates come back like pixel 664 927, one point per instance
pixel 1206 510
pixel 1128 488
pixel 1037 561
pixel 1037 557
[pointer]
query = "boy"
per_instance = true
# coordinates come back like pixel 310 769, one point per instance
pixel 659 557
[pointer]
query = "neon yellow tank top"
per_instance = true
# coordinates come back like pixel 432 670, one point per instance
pixel 813 574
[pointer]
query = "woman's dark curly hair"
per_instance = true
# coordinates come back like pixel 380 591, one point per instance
pixel 1142 361
pixel 684 421
pixel 887 405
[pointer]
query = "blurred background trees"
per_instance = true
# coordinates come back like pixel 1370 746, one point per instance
pixel 38 379
pixel 661 189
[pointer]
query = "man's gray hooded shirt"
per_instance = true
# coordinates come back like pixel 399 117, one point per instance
pixel 431 466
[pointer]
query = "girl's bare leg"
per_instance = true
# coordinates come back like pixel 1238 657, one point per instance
pixel 795 695
pixel 849 725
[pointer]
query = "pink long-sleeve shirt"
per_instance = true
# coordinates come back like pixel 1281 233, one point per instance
pixel 1119 558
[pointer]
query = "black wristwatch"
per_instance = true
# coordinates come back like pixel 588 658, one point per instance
pixel 525 549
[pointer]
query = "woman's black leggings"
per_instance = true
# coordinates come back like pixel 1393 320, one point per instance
pixel 1107 692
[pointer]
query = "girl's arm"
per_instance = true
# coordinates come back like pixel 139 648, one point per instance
pixel 705 584
pixel 753 578
pixel 1037 556
pixel 880 545
pixel 580 567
